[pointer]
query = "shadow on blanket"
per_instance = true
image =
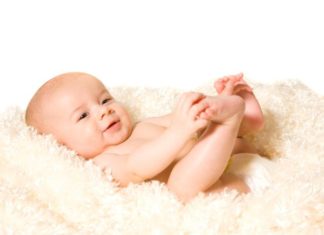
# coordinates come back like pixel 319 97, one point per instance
pixel 46 189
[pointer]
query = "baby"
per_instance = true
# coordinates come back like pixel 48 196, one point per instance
pixel 188 149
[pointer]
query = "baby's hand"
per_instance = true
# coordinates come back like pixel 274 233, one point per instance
pixel 185 117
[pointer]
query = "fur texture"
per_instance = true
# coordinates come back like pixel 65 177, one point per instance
pixel 47 189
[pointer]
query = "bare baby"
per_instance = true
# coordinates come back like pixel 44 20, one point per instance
pixel 187 149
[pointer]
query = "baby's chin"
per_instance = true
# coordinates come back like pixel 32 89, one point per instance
pixel 87 155
pixel 92 153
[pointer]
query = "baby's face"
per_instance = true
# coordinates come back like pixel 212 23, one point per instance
pixel 83 116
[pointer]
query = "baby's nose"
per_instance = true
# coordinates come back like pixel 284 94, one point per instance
pixel 103 111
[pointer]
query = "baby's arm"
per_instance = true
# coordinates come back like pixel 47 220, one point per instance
pixel 157 154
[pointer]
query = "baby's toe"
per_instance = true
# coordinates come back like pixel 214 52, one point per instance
pixel 219 86
pixel 229 88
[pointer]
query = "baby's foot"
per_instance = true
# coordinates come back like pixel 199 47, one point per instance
pixel 235 85
pixel 232 85
pixel 223 109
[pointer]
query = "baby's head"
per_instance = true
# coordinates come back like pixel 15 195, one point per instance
pixel 77 109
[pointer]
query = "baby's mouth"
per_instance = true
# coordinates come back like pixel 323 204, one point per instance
pixel 112 125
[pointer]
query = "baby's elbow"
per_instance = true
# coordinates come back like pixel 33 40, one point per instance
pixel 125 177
pixel 137 172
pixel 136 178
pixel 124 181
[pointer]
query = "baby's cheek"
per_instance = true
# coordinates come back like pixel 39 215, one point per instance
pixel 91 138
pixel 88 147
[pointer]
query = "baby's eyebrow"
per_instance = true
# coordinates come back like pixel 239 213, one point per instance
pixel 104 91
pixel 75 110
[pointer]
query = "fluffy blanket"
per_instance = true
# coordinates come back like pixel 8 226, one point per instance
pixel 47 189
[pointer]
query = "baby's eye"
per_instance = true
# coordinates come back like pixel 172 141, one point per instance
pixel 83 115
pixel 105 100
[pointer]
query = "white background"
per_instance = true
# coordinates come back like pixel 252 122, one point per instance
pixel 158 43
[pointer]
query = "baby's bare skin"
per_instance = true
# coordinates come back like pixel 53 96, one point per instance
pixel 253 120
pixel 188 149
pixel 155 126
pixel 223 110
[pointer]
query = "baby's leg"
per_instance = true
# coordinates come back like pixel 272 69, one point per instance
pixel 235 85
pixel 242 146
pixel 207 160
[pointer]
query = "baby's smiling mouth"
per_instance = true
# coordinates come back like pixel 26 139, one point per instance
pixel 111 124
pixel 114 125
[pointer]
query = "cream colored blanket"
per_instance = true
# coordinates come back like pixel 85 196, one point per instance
pixel 46 189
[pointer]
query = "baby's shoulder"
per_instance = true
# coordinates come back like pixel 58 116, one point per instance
pixel 150 128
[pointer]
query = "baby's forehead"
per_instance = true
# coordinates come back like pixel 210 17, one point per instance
pixel 72 89
pixel 71 86
pixel 74 83
pixel 58 89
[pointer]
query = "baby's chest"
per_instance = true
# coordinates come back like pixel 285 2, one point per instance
pixel 147 131
pixel 141 135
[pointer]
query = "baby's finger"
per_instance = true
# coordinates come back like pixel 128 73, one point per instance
pixel 182 100
pixel 203 115
pixel 196 109
pixel 201 123
pixel 190 99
